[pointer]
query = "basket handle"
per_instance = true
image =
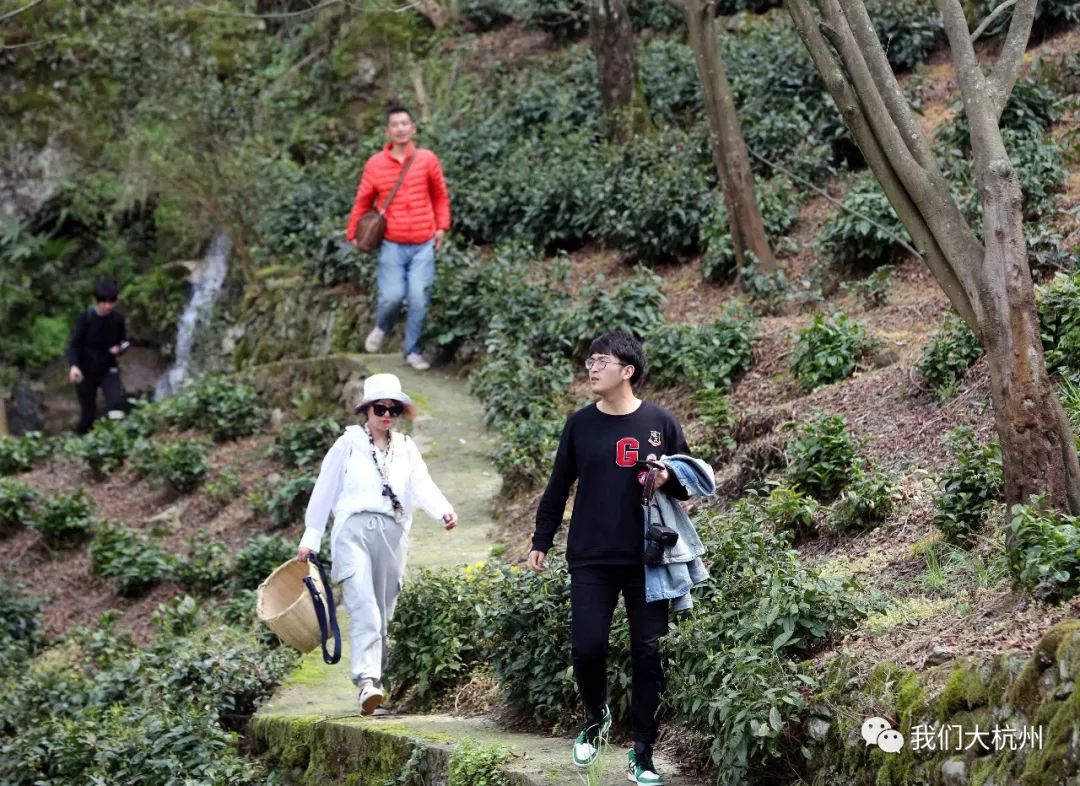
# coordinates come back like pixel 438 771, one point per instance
pixel 321 612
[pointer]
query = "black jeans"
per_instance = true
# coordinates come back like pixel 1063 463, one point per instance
pixel 109 381
pixel 594 591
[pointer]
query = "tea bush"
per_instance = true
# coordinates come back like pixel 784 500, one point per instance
pixel 633 306
pixel 259 559
pixel 715 415
pixel 303 442
pixel 769 292
pixel 1045 554
pixel 821 454
pixel 777 203
pixel 791 512
pixel 1032 108
pixel 474 764
pixel 180 465
pixel 22 454
pixel 968 487
pixel 21 637
pixel 868 498
pixel 181 616
pixel 1058 306
pixel 701 356
pixel 129 558
pixel 206 569
pixel 289 502
pixel 436 632
pixel 223 488
pixel 65 519
pixel 952 350
pixel 872 291
pixel 227 409
pixel 104 448
pixel 828 349
pixel 18 505
pixel 855 243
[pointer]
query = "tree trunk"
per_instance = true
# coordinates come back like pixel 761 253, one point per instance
pixel 726 139
pixel 612 40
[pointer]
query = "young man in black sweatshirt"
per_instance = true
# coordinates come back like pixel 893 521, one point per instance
pixel 99 336
pixel 605 447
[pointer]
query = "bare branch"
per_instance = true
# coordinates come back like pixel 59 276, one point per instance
pixel 979 103
pixel 891 92
pixel 29 44
pixel 280 15
pixel 847 102
pixel 1007 68
pixel 17 11
pixel 990 19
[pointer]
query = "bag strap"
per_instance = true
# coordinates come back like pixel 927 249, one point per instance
pixel 325 629
pixel 397 185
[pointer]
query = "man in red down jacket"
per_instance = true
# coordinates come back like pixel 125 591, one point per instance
pixel 416 224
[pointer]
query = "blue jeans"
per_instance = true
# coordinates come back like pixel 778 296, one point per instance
pixel 406 271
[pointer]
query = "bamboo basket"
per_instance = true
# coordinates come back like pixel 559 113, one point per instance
pixel 285 605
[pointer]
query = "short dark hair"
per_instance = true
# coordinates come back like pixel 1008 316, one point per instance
pixel 398 110
pixel 626 348
pixel 106 292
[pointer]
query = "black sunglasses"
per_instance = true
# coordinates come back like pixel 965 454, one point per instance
pixel 381 409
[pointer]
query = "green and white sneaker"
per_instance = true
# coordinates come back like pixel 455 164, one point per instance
pixel 640 769
pixel 588 743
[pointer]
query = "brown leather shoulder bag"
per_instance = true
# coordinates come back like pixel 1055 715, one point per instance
pixel 371 227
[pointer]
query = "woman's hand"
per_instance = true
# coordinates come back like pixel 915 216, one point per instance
pixel 536 561
pixel 449 521
pixel 303 552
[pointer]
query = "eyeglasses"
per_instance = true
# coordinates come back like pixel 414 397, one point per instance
pixel 381 409
pixel 599 364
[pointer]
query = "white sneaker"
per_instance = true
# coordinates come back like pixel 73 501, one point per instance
pixel 370 698
pixel 374 340
pixel 416 360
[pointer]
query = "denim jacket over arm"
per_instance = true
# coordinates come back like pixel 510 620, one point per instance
pixel 681 567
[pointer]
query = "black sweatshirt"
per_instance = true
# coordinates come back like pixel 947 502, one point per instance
pixel 602 452
pixel 94 335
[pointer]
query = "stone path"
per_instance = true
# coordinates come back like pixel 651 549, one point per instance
pixel 310 728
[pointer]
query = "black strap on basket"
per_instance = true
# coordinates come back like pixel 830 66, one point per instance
pixel 326 627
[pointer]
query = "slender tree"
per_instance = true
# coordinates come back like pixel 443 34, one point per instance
pixel 988 281
pixel 725 136
pixel 612 40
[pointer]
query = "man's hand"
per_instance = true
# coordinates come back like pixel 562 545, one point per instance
pixel 303 552
pixel 440 236
pixel 536 561
pixel 449 521
pixel 114 350
pixel 356 244
pixel 664 474
pixel 75 375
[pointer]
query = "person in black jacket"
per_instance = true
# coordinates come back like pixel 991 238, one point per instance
pixel 100 335
pixel 606 447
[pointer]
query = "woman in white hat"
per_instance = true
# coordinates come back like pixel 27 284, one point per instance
pixel 372 479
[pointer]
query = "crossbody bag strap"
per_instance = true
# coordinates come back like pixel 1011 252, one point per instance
pixel 397 185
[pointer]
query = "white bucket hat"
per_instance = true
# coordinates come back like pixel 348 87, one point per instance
pixel 385 386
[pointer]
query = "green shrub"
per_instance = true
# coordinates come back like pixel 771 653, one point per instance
pixel 20 615
pixel 777 204
pixel 564 19
pixel 206 569
pixel 1045 553
pixel 180 616
pixel 223 488
pixel 868 498
pixel 872 291
pixel 436 632
pixel 526 447
pixel 128 557
pixel 65 519
pixel 712 411
pixel 290 500
pixel 952 350
pixel 227 409
pixel 792 512
pixel 302 442
pixel 259 559
pixel 1059 317
pixel 828 349
pixel 909 30
pixel 820 454
pixel 1031 110
pixel 701 356
pixel 474 764
pixel 22 454
pixel 769 292
pixel 634 306
pixel 180 465
pixel 18 503
pixel 104 448
pixel 968 487
pixel 513 385
pixel 853 242
pixel 655 14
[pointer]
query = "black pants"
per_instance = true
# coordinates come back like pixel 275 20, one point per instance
pixel 594 591
pixel 109 382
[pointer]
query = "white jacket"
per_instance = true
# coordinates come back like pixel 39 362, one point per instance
pixel 349 482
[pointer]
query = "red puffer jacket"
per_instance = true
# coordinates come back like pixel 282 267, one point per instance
pixel 422 204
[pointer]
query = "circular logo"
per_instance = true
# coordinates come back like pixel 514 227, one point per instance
pixel 642 477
